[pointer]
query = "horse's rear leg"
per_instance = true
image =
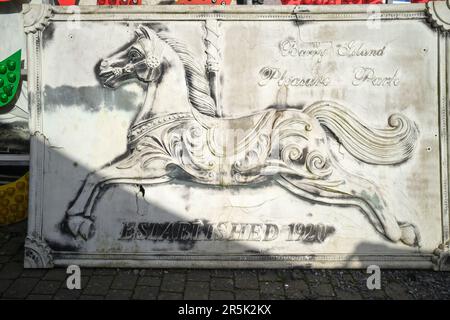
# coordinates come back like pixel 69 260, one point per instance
pixel 351 190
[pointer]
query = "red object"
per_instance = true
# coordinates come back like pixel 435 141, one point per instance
pixel 321 2
pixel 119 2
pixel 66 2
pixel 205 2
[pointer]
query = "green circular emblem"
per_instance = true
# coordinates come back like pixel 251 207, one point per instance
pixel 11 77
pixel 3 97
pixel 11 65
pixel 8 90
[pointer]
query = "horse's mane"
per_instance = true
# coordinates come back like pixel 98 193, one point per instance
pixel 198 85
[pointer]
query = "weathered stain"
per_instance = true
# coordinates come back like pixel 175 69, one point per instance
pixel 89 98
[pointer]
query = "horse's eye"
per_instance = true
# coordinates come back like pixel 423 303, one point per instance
pixel 134 55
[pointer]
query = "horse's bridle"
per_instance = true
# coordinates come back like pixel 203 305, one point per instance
pixel 152 60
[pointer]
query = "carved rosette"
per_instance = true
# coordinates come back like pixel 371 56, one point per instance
pixel 439 14
pixel 441 258
pixel 37 254
pixel 36 17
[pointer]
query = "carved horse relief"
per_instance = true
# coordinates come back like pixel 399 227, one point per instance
pixel 198 144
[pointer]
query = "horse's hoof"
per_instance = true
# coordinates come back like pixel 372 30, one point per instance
pixel 79 225
pixel 410 234
pixel 87 229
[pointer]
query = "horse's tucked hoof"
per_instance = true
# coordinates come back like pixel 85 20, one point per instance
pixel 81 226
pixel 410 234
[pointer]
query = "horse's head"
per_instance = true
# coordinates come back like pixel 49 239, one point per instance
pixel 140 60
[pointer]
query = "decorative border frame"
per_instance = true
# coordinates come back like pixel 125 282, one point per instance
pixel 37 17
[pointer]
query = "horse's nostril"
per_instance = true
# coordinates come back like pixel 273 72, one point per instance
pixel 104 63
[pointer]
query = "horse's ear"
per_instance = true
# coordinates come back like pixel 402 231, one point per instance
pixel 146 31
pixel 138 33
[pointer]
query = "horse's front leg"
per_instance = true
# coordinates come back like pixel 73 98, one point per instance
pixel 84 194
pixel 78 215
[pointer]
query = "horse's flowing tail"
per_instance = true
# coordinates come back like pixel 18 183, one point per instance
pixel 392 145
